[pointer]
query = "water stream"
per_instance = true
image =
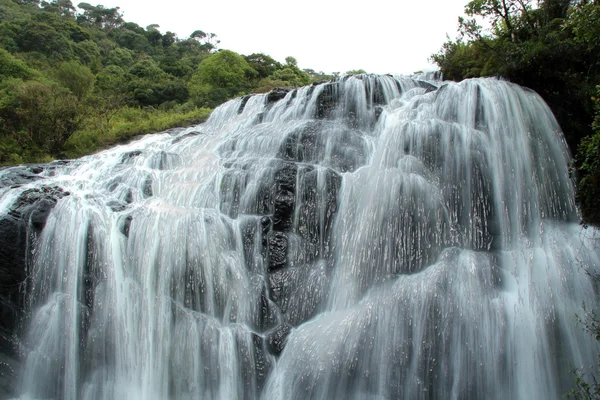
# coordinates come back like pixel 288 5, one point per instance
pixel 369 238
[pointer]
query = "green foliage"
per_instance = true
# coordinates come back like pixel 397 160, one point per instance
pixel 88 53
pixel 587 387
pixel 588 165
pixel 220 77
pixel 584 23
pixel 43 114
pixel 355 72
pixel 11 67
pixel 320 76
pixel 99 17
pixel 263 64
pixel 72 82
pixel 76 77
pixel 120 57
pixel 129 122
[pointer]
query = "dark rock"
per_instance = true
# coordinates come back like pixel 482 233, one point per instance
pixel 125 224
pixel 265 222
pixel 40 213
pixel 324 143
pixel 164 161
pixel 18 176
pixel 174 131
pixel 244 102
pixel 262 363
pixel 116 206
pixel 26 217
pixel 299 291
pixel 268 316
pixel 276 338
pixel 130 156
pixel 277 94
pixel 285 177
pixel 427 86
pixel 35 204
pixel 147 187
pixel 186 136
pixel 327 100
pixel 284 198
pixel 277 252
pixel 284 210
pixel 129 197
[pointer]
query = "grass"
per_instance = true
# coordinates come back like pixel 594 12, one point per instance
pixel 127 123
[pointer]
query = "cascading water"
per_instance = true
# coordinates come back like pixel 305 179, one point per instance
pixel 367 238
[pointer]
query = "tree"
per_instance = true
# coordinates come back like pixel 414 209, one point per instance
pixel 588 164
pixel 61 7
pixel 208 41
pixel 12 67
pixel 100 17
pixel 219 77
pixel 503 14
pixel 263 64
pixel 77 78
pixel 41 113
pixel 356 72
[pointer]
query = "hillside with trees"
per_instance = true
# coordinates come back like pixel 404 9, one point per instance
pixel 74 80
pixel 552 47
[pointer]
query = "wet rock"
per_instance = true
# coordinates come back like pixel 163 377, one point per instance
pixel 116 206
pixel 128 157
pixel 323 143
pixel 265 222
pixel 277 252
pixel 268 316
pixel 147 187
pixel 128 197
pixel 284 198
pixel 244 102
pixel 427 86
pixel 18 176
pixel 125 224
pixel 284 210
pixel 276 339
pixel 36 204
pixel 277 94
pixel 299 292
pixel 327 100
pixel 186 136
pixel 26 217
pixel 174 131
pixel 164 161
pixel 262 362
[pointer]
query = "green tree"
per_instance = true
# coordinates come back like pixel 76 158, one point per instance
pixel 220 77
pixel 11 67
pixel 263 64
pixel 100 17
pixel 44 114
pixel 588 164
pixel 356 72
pixel 77 78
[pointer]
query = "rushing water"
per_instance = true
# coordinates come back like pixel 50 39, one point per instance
pixel 370 238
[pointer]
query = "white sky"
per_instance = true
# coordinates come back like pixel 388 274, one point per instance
pixel 325 35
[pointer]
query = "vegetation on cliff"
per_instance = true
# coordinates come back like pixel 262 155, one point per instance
pixel 73 80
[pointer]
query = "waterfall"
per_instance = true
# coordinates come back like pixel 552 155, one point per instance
pixel 373 237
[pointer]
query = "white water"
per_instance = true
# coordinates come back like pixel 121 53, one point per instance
pixel 432 251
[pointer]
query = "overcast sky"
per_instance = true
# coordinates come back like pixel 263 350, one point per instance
pixel 325 35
